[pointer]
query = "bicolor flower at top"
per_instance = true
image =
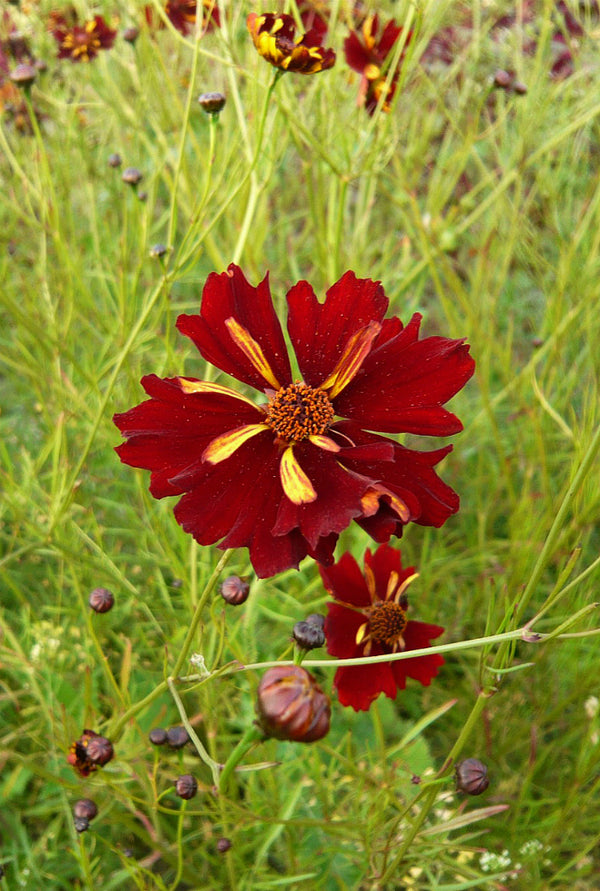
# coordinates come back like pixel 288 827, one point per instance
pixel 366 52
pixel 182 15
pixel 369 618
pixel 274 37
pixel 81 43
pixel 284 475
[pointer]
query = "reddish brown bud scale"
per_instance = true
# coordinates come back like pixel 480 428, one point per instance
pixel 291 705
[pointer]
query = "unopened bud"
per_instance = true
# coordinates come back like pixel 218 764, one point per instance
pixel 235 590
pixel 100 750
pixel 101 600
pixel 114 160
pixel 177 737
pixel 472 776
pixel 308 636
pixel 132 176
pixel 158 736
pixel 212 103
pixel 131 34
pixel 223 845
pixel 291 705
pixel 85 808
pixel 23 75
pixel 502 79
pixel 186 786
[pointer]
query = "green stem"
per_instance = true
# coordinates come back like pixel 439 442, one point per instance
pixel 252 736
pixel 213 765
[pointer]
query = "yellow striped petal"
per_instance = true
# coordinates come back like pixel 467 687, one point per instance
pixel 206 387
pixel 402 588
pixel 252 350
pixel 222 447
pixel 324 442
pixel 295 482
pixel 355 352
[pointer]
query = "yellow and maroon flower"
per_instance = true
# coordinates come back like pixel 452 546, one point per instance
pixel 369 618
pixel 275 39
pixel 285 476
pixel 90 752
pixel 81 43
pixel 367 52
pixel 182 15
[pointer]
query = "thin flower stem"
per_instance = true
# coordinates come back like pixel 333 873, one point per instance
pixel 138 707
pixel 175 883
pixel 251 737
pixel 213 765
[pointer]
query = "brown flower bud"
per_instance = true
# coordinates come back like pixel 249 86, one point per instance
pixel 186 786
pixel 223 845
pixel 234 590
pixel 177 737
pixel 101 600
pixel 158 736
pixel 212 103
pixel 308 635
pixel 82 824
pixel 291 705
pixel 519 88
pixel 132 176
pixel 158 250
pixel 23 75
pixel 471 776
pixel 100 750
pixel 131 34
pixel 503 79
pixel 114 160
pixel 85 808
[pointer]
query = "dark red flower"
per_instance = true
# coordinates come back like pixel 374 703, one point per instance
pixel 182 15
pixel 81 43
pixel 274 36
pixel 367 52
pixel 284 477
pixel 90 752
pixel 370 619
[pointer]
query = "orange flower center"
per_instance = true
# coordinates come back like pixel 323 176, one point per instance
pixel 299 411
pixel 388 621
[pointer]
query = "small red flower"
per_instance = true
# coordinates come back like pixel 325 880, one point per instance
pixel 370 619
pixel 81 43
pixel 367 52
pixel 285 476
pixel 274 37
pixel 182 15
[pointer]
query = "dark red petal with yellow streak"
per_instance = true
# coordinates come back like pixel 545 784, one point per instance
pixel 404 382
pixel 418 636
pixel 226 295
pixel 385 561
pixel 168 433
pixel 359 685
pixel 320 331
pixel 345 581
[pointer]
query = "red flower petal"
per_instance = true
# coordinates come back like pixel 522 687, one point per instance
pixel 417 636
pixel 230 295
pixel 345 581
pixel 320 331
pixel 341 626
pixel 359 685
pixel 356 54
pixel 385 561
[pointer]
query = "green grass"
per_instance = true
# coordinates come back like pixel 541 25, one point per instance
pixel 479 208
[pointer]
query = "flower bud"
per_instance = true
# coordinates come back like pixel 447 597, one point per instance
pixel 177 737
pixel 100 750
pixel 114 160
pixel 85 809
pixel 158 736
pixel 471 776
pixel 223 845
pixel 212 103
pixel 82 824
pixel 158 250
pixel 291 705
pixel 186 786
pixel 132 176
pixel 308 636
pixel 90 752
pixel 23 75
pixel 503 79
pixel 235 590
pixel 131 34
pixel 316 619
pixel 519 88
pixel 101 600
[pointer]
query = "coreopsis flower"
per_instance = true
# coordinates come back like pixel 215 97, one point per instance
pixel 274 37
pixel 81 43
pixel 367 52
pixel 369 618
pixel 182 15
pixel 284 475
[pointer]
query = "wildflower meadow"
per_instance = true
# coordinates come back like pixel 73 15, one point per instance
pixel 299 445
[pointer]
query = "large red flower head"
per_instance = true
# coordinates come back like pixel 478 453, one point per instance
pixel 182 15
pixel 370 619
pixel 285 475
pixel 274 36
pixel 81 43
pixel 366 52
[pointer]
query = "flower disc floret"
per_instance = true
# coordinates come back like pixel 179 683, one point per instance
pixel 284 473
pixel 298 412
pixel 387 622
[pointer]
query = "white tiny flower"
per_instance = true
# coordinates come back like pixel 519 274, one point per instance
pixel 591 706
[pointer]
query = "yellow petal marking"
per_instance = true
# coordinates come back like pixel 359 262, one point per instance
pixel 324 442
pixel 295 482
pixel 404 586
pixel 355 352
pixel 252 350
pixel 362 633
pixel 206 387
pixel 370 503
pixel 222 447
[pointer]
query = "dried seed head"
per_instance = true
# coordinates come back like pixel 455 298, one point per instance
pixel 186 786
pixel 101 600
pixel 212 103
pixel 223 845
pixel 234 590
pixel 85 808
pixel 291 705
pixel 177 737
pixel 308 636
pixel 132 176
pixel 114 160
pixel 100 750
pixel 471 776
pixel 158 736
